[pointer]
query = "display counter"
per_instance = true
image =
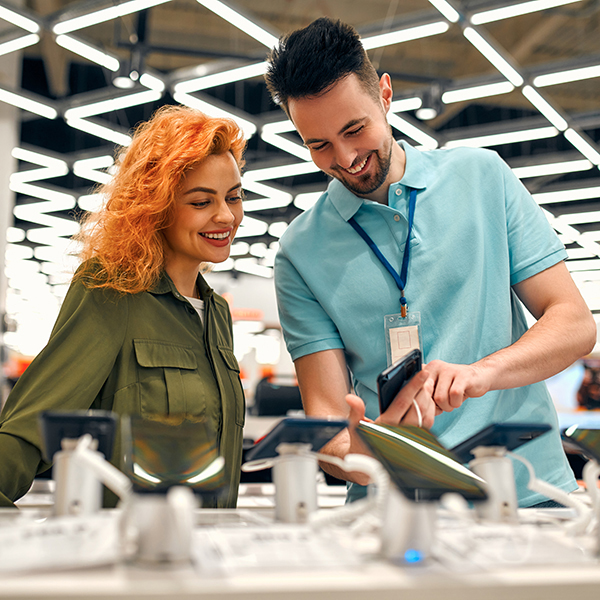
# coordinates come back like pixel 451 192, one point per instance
pixel 536 559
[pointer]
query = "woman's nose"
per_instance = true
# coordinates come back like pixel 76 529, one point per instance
pixel 224 214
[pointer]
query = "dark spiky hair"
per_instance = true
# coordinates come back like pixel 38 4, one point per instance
pixel 309 61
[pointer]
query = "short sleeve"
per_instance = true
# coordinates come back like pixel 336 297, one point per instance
pixel 307 328
pixel 533 244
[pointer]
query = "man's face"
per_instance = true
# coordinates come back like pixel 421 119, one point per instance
pixel 348 136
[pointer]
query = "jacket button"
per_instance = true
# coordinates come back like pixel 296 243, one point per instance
pixel 191 310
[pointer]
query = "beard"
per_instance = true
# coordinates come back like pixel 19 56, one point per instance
pixel 369 182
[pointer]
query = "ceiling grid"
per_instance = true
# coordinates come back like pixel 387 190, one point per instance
pixel 519 77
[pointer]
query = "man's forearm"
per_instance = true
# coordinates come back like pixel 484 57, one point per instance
pixel 552 344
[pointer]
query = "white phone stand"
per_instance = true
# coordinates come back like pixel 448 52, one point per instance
pixel 408 528
pixel 79 472
pixel 78 489
pixel 295 479
pixel 158 527
pixel 496 469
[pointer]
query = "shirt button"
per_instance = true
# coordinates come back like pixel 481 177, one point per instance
pixel 396 217
pixel 398 192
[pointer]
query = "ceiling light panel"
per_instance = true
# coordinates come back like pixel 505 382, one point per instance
pixel 478 91
pixel 241 22
pixel 544 107
pixel 446 9
pixel 19 20
pixel 100 131
pixel 583 145
pixel 112 104
pixel 509 137
pixel 19 43
pixel 404 35
pixel 88 168
pixel 106 14
pixel 516 10
pixel 557 168
pixel 589 193
pixel 271 133
pixel 406 104
pixel 567 76
pixel 28 104
pixel 245 125
pixel 89 52
pixel 493 56
pixel 281 172
pixel 215 79
pixel 412 131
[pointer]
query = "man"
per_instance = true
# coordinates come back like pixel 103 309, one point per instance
pixel 470 239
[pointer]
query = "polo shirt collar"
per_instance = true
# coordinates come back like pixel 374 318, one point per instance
pixel 415 170
pixel 415 176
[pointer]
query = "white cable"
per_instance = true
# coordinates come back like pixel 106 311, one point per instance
pixel 258 465
pixel 419 413
pixel 581 522
pixel 109 475
pixel 591 472
pixel 373 503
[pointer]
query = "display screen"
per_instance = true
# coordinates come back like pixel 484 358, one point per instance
pixel 314 432
pixel 163 451
pixel 422 469
pixel 585 440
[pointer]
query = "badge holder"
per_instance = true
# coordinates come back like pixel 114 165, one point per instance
pixel 402 334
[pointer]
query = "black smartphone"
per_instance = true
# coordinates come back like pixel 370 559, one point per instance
pixel 507 435
pixel 56 426
pixel 420 467
pixel 586 441
pixel 392 380
pixel 292 430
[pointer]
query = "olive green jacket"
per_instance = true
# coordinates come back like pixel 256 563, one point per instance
pixel 134 354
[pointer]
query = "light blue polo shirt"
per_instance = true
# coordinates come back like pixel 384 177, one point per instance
pixel 477 231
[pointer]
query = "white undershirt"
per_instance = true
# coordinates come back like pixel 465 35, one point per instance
pixel 198 305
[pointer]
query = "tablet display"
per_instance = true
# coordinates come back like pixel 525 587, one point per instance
pixel 313 431
pixel 422 469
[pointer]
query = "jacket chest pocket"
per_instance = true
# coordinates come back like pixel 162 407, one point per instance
pixel 233 375
pixel 167 374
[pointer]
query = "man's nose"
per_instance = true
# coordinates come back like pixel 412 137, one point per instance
pixel 345 155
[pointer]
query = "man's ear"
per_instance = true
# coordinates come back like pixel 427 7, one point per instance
pixel 385 88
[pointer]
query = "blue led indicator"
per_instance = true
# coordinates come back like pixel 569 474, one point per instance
pixel 413 556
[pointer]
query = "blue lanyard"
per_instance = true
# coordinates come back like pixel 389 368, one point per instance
pixel 402 278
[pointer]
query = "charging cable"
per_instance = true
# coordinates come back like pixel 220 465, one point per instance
pixel 590 474
pixel 372 505
pixel 109 475
pixel 581 522
pixel 419 413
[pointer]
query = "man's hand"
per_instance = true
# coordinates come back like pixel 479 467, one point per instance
pixel 400 412
pixel 453 384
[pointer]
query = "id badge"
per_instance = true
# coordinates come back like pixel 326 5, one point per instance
pixel 402 334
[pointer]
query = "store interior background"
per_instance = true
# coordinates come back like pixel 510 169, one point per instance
pixel 521 78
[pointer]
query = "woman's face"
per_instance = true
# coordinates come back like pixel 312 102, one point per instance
pixel 208 213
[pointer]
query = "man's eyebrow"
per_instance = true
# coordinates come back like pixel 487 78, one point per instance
pixel 210 190
pixel 347 126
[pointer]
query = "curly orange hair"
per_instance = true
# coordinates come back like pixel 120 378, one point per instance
pixel 124 238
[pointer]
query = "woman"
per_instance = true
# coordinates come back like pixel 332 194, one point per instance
pixel 140 331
